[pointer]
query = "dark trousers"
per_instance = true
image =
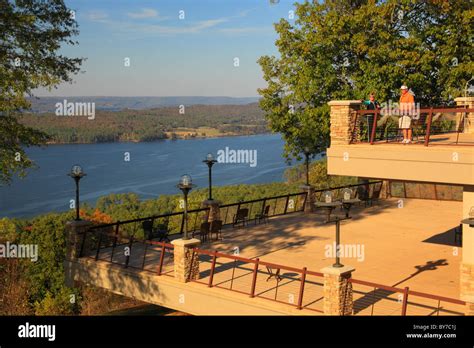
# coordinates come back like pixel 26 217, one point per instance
pixel 370 125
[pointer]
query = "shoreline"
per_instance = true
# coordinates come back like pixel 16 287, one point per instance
pixel 165 139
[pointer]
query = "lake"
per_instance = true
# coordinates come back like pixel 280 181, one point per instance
pixel 152 169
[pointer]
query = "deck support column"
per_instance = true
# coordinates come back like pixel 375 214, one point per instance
pixel 467 265
pixel 343 116
pixel 469 118
pixel 309 203
pixel 214 212
pixel 186 262
pixel 337 291
pixel 74 231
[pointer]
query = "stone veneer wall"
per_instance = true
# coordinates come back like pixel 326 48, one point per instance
pixel 343 115
pixel 467 285
pixel 338 294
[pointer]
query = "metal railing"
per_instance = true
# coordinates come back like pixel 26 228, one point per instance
pixel 299 288
pixel 129 252
pixel 378 299
pixel 296 287
pixel 278 205
pixel 372 189
pixel 431 126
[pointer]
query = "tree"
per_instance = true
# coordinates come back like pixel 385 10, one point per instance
pixel 339 49
pixel 32 31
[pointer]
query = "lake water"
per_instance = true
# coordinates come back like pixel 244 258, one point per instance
pixel 154 169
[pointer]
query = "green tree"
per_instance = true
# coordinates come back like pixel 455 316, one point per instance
pixel 32 31
pixel 338 49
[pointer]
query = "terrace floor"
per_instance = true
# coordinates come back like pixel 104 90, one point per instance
pixel 410 246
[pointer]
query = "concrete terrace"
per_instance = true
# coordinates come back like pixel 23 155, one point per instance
pixel 404 246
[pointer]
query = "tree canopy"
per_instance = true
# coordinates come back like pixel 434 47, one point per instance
pixel 31 34
pixel 338 49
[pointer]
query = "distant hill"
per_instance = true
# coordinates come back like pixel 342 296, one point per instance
pixel 47 104
pixel 151 124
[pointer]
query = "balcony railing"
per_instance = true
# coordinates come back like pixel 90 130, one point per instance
pixel 430 126
pixel 299 288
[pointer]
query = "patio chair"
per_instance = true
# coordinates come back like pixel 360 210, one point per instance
pixel 241 217
pixel 263 216
pixel 216 227
pixel 147 226
pixel 204 231
pixel 272 274
pixel 375 197
pixel 363 194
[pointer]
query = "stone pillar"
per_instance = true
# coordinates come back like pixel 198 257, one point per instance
pixel 337 290
pixel 75 231
pixel 186 265
pixel 343 114
pixel 469 118
pixel 214 210
pixel 309 203
pixel 467 266
pixel 74 236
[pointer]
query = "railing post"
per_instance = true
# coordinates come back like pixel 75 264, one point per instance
pixel 428 127
pixel 162 258
pixel 98 246
pixel 115 240
pixel 303 280
pixel 144 255
pixel 405 301
pixel 213 268
pixel 286 205
pixel 127 258
pixel 81 250
pixel 254 278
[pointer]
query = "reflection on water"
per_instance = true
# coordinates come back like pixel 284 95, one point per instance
pixel 154 169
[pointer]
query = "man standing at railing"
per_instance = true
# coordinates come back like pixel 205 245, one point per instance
pixel 407 106
pixel 371 104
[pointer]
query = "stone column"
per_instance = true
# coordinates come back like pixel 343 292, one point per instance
pixel 186 265
pixel 75 231
pixel 309 203
pixel 343 115
pixel 467 265
pixel 469 118
pixel 214 210
pixel 337 290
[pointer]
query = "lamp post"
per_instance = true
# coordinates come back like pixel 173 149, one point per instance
pixel 210 162
pixel 306 154
pixel 185 184
pixel 338 263
pixel 77 173
pixel 338 220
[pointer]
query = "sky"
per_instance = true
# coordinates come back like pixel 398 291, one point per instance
pixel 170 56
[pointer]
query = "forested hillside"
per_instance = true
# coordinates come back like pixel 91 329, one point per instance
pixel 151 124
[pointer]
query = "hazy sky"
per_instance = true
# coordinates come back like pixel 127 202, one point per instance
pixel 170 56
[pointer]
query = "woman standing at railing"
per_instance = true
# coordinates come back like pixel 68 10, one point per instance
pixel 371 104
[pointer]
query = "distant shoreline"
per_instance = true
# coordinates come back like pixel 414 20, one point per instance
pixel 163 139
